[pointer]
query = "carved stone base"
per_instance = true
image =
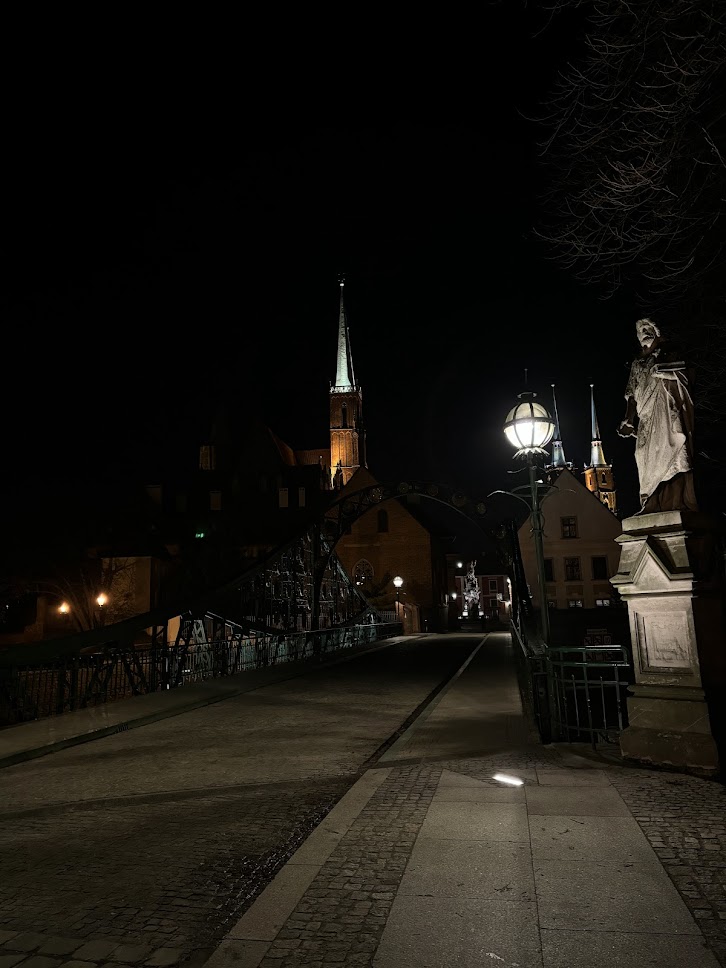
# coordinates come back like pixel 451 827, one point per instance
pixel 671 577
pixel 670 728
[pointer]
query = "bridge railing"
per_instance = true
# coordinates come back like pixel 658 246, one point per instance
pixel 44 688
pixel 573 693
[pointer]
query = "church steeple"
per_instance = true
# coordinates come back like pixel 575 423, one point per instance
pixel 558 451
pixel 347 434
pixel 599 474
pixel 344 375
pixel 597 458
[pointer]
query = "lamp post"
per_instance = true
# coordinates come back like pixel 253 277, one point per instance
pixel 101 601
pixel 529 428
pixel 397 581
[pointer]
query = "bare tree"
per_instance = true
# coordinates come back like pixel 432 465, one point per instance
pixel 79 587
pixel 635 142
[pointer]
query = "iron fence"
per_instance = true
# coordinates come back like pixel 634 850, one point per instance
pixel 51 688
pixel 587 692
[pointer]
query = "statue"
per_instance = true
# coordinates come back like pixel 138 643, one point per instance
pixel 659 414
pixel 471 591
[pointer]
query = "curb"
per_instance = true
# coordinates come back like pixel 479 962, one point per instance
pixel 249 940
pixel 395 748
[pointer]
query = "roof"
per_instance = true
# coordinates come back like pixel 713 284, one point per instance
pixel 318 455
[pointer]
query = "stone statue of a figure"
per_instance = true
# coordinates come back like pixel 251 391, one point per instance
pixel 659 414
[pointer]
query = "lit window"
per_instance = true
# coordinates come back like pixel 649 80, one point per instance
pixel 282 497
pixel 569 527
pixel 207 457
pixel 362 572
pixel 603 602
pixel 574 603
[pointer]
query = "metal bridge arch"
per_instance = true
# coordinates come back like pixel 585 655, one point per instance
pixel 351 507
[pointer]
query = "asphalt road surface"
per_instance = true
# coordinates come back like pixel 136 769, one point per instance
pixel 164 835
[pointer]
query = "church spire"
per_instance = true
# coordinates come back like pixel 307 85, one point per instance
pixel 347 432
pixel 558 451
pixel 597 458
pixel 344 375
pixel 599 475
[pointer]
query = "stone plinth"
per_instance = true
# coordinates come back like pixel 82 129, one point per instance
pixel 671 577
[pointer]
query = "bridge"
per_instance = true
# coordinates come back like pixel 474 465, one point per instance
pixel 298 604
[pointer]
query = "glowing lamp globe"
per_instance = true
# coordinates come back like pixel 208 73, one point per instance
pixel 528 426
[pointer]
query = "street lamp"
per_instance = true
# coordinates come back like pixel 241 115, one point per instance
pixel 529 428
pixel 101 601
pixel 397 581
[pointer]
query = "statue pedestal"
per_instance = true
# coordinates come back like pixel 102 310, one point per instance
pixel 671 577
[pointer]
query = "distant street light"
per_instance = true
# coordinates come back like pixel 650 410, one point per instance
pixel 101 601
pixel 397 581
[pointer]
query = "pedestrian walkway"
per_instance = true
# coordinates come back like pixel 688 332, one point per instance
pixel 469 843
pixel 39 737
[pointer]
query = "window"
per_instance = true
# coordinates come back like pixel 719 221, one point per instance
pixel 215 500
pixel 301 497
pixel 569 527
pixel 549 569
pixel 602 602
pixel 574 603
pixel 383 521
pixel 551 603
pixel 599 566
pixel 604 478
pixel 207 461
pixel 282 497
pixel 492 584
pixel 493 604
pixel 344 415
pixel 572 569
pixel 362 572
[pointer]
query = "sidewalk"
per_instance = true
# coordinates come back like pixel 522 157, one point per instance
pixel 468 843
pixel 28 740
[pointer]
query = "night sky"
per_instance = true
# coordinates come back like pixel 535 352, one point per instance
pixel 147 283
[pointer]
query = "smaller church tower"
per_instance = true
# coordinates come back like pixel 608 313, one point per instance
pixel 558 451
pixel 347 434
pixel 599 474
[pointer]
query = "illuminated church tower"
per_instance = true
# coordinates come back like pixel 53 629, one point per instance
pixel 558 451
pixel 347 435
pixel 599 474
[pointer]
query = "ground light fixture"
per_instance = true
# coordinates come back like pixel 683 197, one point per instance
pixel 507 779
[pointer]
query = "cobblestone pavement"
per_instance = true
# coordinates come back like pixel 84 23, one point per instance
pixel 144 847
pixel 684 818
pixel 341 917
